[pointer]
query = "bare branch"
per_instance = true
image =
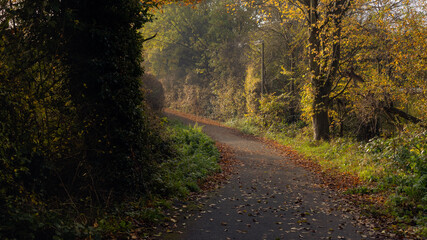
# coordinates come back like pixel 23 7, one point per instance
pixel 342 91
pixel 148 39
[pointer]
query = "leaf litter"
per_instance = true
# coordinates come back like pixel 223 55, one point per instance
pixel 338 182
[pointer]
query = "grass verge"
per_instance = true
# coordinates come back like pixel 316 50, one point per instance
pixel 197 158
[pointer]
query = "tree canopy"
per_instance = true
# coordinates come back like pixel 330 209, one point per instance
pixel 355 66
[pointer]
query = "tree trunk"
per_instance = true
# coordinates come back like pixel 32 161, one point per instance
pixel 321 87
pixel 320 117
pixel 323 65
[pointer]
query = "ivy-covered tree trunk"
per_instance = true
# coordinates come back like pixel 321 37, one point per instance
pixel 103 56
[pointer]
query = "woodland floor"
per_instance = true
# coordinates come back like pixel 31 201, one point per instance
pixel 268 193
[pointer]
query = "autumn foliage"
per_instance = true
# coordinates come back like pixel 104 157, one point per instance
pixel 335 70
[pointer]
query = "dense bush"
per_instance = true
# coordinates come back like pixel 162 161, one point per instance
pixel 277 111
pixel 154 94
pixel 102 51
pixel 74 133
pixel 404 160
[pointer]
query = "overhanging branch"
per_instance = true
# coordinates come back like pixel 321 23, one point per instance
pixel 403 115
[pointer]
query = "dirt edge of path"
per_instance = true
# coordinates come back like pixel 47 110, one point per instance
pixel 227 163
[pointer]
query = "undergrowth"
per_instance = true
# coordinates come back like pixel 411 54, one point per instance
pixel 192 157
pixel 196 157
pixel 395 167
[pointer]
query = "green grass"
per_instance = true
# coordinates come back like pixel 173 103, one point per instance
pixel 244 125
pixel 197 158
pixel 339 154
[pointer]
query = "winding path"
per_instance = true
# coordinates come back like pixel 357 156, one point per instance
pixel 268 198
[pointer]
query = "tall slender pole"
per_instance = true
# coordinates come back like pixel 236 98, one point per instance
pixel 262 68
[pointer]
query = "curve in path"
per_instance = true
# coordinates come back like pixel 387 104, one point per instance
pixel 268 198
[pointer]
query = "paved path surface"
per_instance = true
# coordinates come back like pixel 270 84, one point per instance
pixel 268 198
